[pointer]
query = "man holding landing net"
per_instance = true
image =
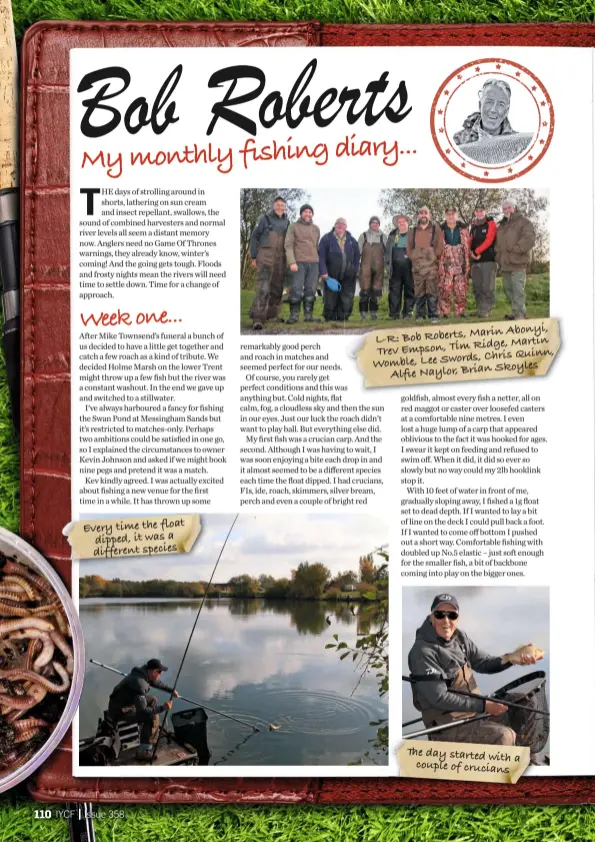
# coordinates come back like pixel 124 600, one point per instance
pixel 442 660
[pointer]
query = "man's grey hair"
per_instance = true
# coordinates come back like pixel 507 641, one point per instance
pixel 497 83
pixel 509 201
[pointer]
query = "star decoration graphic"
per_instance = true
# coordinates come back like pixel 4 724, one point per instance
pixel 530 157
pixel 440 111
pixel 477 69
pixel 498 66
pixel 510 169
pixel 441 131
pixel 486 172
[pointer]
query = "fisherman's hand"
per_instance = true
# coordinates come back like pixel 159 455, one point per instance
pixel 167 705
pixel 254 264
pixel 176 694
pixel 474 256
pixel 495 708
pixel 324 277
pixel 293 267
pixel 524 655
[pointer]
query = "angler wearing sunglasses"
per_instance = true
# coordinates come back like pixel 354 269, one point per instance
pixel 443 659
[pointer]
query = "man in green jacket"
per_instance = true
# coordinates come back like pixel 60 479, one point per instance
pixel 514 241
pixel 301 250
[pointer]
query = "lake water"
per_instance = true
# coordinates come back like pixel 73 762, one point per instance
pixel 261 661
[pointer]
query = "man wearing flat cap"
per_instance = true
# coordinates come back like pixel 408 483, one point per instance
pixel 129 702
pixel 371 274
pixel 339 260
pixel 442 659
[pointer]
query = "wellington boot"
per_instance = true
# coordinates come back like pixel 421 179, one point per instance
pixel 294 312
pixel 308 308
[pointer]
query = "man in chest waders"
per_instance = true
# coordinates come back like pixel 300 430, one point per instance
pixel 424 249
pixel 267 250
pixel 371 245
pixel 443 659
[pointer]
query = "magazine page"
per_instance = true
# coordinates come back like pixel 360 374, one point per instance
pixel 319 369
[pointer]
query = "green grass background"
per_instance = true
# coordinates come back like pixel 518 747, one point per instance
pixel 274 824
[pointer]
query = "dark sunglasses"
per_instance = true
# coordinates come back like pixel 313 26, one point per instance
pixel 440 615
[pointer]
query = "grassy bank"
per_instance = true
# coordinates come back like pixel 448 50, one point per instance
pixel 537 292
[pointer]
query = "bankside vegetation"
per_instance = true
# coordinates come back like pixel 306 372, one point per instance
pixel 309 580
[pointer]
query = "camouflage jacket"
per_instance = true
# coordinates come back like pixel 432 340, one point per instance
pixel 472 130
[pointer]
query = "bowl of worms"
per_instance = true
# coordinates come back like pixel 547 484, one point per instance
pixel 41 659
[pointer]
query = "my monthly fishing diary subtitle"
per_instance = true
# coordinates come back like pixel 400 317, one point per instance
pixel 298 107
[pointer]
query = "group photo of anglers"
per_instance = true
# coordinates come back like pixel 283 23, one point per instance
pixel 265 645
pixel 337 260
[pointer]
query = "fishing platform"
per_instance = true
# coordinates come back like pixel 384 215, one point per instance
pixel 116 743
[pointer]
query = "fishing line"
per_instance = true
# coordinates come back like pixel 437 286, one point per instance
pixel 161 729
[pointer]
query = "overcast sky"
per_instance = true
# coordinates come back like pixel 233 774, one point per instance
pixel 270 544
pixel 356 205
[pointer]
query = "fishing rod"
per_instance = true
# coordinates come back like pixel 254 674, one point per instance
pixel 183 698
pixel 191 636
pixel 448 725
pixel 487 698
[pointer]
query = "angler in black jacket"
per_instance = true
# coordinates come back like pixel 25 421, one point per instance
pixel 129 702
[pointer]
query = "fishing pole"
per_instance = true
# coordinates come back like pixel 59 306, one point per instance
pixel 183 698
pixel 190 638
pixel 499 701
pixel 446 727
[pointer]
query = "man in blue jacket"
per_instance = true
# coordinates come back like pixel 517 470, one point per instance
pixel 339 256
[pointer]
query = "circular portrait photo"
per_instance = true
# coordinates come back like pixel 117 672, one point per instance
pixel 495 123
pixel 492 120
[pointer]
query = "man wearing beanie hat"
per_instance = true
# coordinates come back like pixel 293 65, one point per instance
pixel 442 659
pixel 514 241
pixel 401 298
pixel 339 258
pixel 301 250
pixel 267 250
pixel 371 274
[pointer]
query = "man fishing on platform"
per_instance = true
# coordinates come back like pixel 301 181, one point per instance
pixel 129 702
pixel 442 660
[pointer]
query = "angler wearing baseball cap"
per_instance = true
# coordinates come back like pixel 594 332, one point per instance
pixel 129 702
pixel 442 659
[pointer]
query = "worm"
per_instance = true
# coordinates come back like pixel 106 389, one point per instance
pixel 13 592
pixel 22 582
pixel 16 674
pixel 26 735
pixel 13 609
pixel 19 702
pixel 37 693
pixel 65 649
pixel 61 622
pixel 26 634
pixel 25 623
pixel 32 722
pixel 48 608
pixel 47 653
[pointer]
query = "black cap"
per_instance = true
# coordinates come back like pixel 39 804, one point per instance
pixel 445 597
pixel 155 664
pixel 306 207
pixel 374 219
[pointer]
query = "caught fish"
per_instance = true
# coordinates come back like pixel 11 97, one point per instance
pixel 273 726
pixel 528 649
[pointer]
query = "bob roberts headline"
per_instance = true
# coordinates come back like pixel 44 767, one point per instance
pixel 246 104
